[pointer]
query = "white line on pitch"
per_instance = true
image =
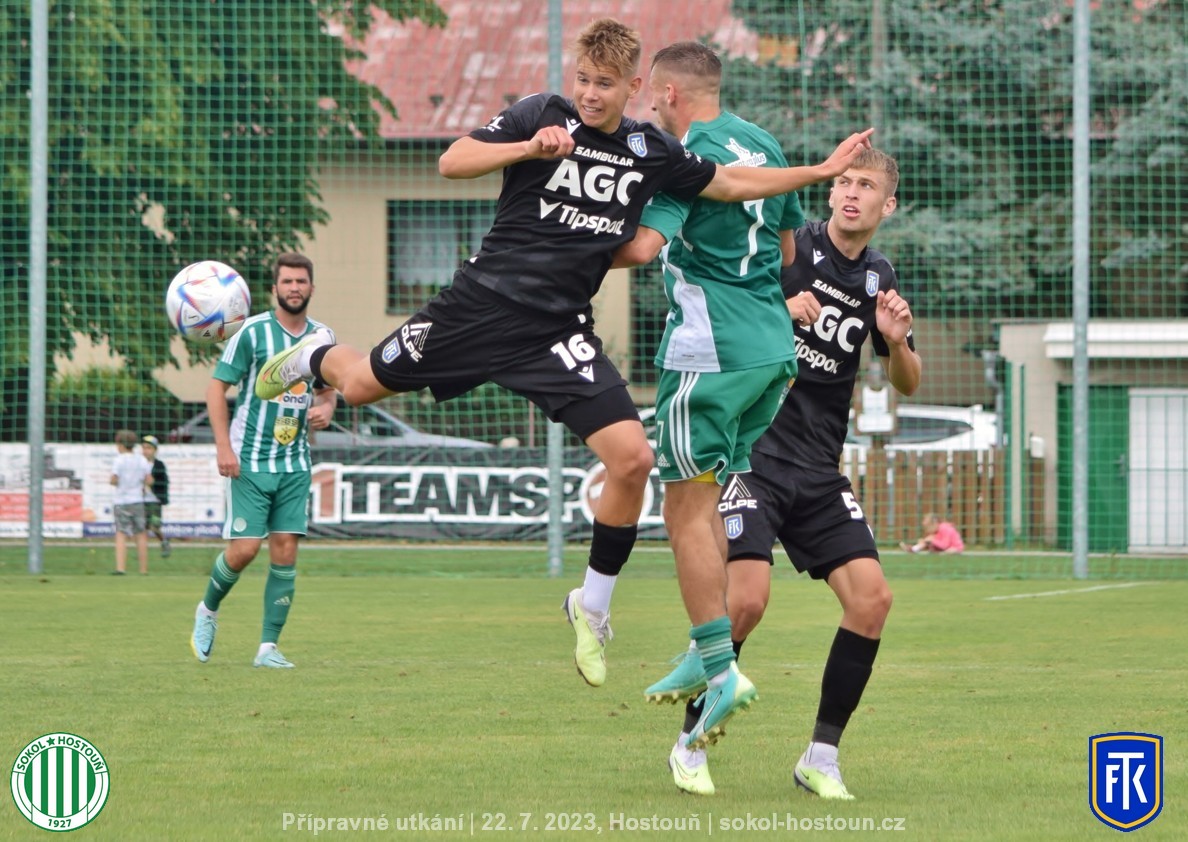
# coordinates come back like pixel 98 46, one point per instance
pixel 1068 591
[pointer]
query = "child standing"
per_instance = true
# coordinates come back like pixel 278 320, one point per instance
pixel 158 493
pixel 131 475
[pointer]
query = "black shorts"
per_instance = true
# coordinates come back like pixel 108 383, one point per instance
pixel 813 514
pixel 467 336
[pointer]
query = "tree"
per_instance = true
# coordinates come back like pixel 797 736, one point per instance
pixel 977 101
pixel 178 131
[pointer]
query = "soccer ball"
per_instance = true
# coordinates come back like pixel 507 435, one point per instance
pixel 207 302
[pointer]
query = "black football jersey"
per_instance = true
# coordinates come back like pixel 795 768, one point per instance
pixel 810 427
pixel 559 221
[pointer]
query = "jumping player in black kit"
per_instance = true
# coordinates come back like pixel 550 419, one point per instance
pixel 839 291
pixel 576 176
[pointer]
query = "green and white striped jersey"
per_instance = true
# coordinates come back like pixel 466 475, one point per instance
pixel 267 436
pixel 722 261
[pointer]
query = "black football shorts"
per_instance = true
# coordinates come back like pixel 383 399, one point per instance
pixel 813 514
pixel 467 335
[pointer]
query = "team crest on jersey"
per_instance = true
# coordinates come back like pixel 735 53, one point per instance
pixel 285 430
pixel 872 283
pixel 637 144
pixel 391 351
pixel 734 526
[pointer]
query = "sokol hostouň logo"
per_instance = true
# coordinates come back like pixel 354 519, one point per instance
pixel 60 782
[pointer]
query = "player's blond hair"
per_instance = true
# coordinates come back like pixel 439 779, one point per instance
pixel 877 159
pixel 607 43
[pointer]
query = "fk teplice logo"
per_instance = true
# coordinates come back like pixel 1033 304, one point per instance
pixel 1126 779
pixel 60 782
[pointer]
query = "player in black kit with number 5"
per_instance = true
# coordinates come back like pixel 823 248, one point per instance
pixel 576 176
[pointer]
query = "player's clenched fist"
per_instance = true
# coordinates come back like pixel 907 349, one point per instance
pixel 893 316
pixel 804 308
pixel 550 142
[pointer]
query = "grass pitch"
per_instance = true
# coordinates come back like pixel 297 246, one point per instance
pixel 437 686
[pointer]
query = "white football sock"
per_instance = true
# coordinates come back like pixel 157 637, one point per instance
pixel 820 755
pixel 596 591
pixel 325 337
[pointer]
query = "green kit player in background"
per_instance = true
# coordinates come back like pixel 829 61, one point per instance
pixel 263 450
pixel 726 360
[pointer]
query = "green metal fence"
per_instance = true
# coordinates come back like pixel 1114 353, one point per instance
pixel 236 130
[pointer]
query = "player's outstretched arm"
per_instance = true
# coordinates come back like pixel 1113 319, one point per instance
pixel 737 184
pixel 470 158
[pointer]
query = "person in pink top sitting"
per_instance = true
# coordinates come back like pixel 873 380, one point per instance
pixel 939 536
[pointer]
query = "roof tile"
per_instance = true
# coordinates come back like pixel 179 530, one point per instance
pixel 446 82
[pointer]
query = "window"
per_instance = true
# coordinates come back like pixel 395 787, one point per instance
pixel 427 240
pixel 917 430
pixel 914 429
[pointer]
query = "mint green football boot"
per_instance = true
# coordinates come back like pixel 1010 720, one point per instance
pixel 684 682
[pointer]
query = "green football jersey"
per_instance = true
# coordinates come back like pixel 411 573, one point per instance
pixel 722 261
pixel 267 436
